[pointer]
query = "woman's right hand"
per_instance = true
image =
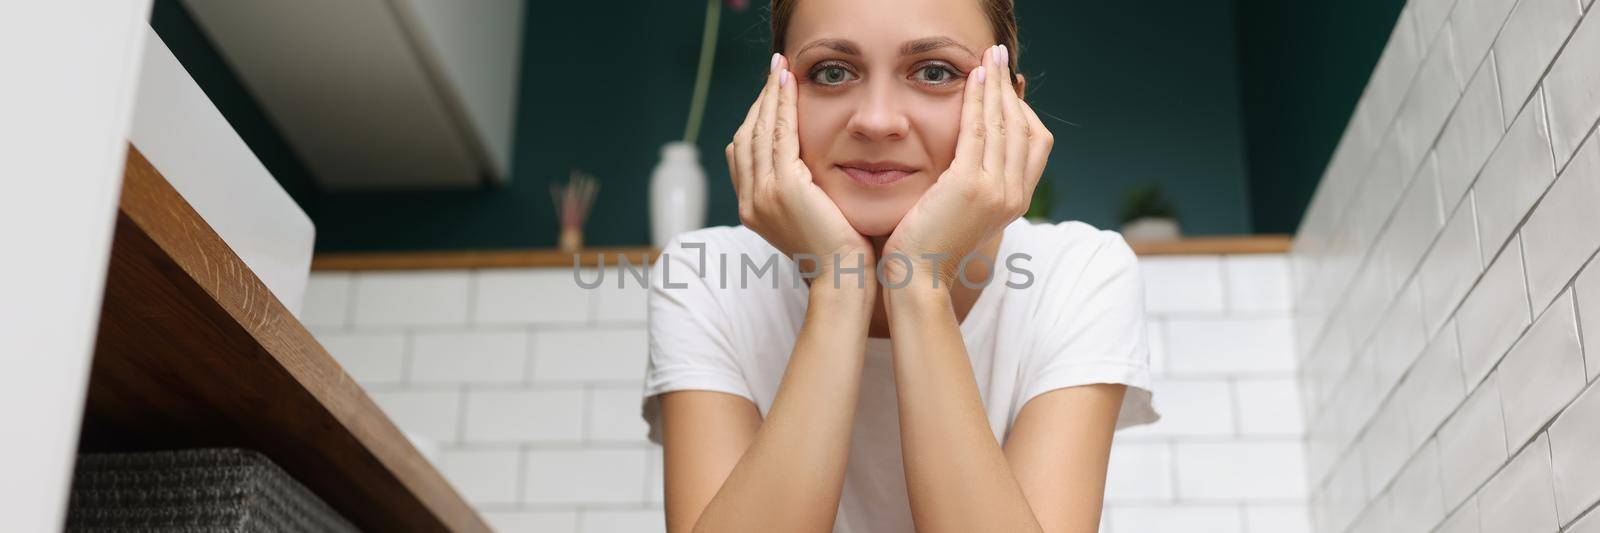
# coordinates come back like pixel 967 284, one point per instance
pixel 777 197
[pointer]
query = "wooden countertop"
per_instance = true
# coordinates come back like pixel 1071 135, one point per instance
pixel 193 350
pixel 589 257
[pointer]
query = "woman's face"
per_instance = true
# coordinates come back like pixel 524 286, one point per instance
pixel 879 103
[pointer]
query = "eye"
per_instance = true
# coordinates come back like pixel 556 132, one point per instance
pixel 935 74
pixel 831 74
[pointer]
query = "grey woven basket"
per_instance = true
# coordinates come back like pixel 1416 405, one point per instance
pixel 210 490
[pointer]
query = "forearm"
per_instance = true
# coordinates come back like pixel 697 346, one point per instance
pixel 791 476
pixel 956 473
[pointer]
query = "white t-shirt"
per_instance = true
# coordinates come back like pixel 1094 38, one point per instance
pixel 1080 321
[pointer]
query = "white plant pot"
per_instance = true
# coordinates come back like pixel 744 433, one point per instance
pixel 1151 229
pixel 677 193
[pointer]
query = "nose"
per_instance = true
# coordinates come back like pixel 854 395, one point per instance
pixel 878 116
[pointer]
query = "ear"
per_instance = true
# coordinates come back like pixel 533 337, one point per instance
pixel 1022 85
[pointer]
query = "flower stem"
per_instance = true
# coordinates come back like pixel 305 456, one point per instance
pixel 702 80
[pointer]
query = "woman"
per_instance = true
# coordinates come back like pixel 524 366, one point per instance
pixel 901 389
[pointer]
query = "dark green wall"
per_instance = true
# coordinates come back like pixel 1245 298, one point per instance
pixel 1303 65
pixel 1151 89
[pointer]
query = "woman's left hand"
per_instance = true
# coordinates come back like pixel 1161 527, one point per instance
pixel 1000 154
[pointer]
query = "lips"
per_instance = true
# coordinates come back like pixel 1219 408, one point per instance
pixel 876 174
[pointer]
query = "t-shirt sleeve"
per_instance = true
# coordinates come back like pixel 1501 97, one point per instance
pixel 1090 327
pixel 691 341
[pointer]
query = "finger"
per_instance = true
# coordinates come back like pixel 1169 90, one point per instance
pixel 969 143
pixel 1016 139
pixel 786 131
pixel 1040 141
pixel 994 146
pixel 762 140
pixel 744 159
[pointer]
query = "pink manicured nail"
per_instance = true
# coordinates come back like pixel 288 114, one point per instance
pixel 783 78
pixel 774 65
pixel 1005 55
pixel 994 53
pixel 979 74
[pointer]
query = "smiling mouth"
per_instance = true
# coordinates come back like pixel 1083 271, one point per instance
pixel 875 175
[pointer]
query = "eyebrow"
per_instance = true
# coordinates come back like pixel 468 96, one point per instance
pixel 910 48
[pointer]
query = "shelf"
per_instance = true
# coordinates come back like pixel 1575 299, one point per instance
pixel 434 260
pixel 193 350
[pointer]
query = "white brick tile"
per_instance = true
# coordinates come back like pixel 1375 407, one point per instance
pixel 1392 75
pixel 1591 521
pixel 469 357
pixel 1258 282
pixel 1139 472
pixel 1472 442
pixel 1587 291
pixel 431 298
pixel 609 354
pixel 515 415
pixel 1258 471
pixel 1399 340
pixel 327 300
pixel 1431 16
pixel 1416 221
pixel 1269 406
pixel 614 414
pixel 370 358
pixel 632 521
pixel 1516 174
pixel 1182 284
pixel 1519 498
pixel 1188 407
pixel 1475 127
pixel 1434 388
pixel 432 414
pixel 1277 518
pixel 1574 444
pixel 1187 518
pixel 1385 446
pixel 1528 43
pixel 1451 266
pixel 1493 316
pixel 1431 96
pixel 1230 345
pixel 1542 372
pixel 483 476
pixel 1346 494
pixel 532 296
pixel 1474 24
pixel 1378 517
pixel 1561 233
pixel 532 521
pixel 1416 492
pixel 655 484
pixel 1464 520
pixel 586 476
pixel 1572 89
pixel 625 304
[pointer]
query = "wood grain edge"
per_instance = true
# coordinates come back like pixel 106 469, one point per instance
pixel 262 342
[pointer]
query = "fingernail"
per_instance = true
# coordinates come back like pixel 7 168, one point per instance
pixel 774 65
pixel 783 78
pixel 978 73
pixel 1005 55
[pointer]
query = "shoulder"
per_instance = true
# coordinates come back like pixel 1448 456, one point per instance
pixel 1070 247
pixel 705 251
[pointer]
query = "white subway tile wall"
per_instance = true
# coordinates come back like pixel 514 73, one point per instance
pixel 1482 421
pixel 530 391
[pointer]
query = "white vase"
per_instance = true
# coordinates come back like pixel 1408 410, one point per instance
pixel 677 193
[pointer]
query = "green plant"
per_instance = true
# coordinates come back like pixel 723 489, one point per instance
pixel 1039 205
pixel 1147 201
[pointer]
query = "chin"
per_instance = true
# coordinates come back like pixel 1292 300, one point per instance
pixel 874 215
